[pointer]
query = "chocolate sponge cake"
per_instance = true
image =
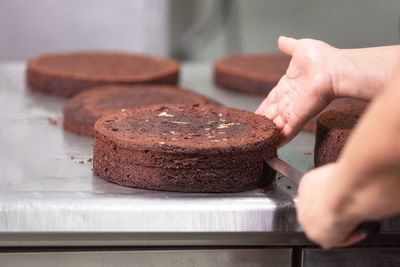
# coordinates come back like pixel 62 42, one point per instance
pixel 83 110
pixel 311 125
pixel 187 148
pixel 333 128
pixel 70 73
pixel 251 73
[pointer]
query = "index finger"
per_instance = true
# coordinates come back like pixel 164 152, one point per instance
pixel 271 98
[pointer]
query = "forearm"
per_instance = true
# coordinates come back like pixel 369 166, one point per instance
pixel 368 179
pixel 362 73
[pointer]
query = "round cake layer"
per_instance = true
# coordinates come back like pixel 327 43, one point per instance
pixel 190 148
pixel 67 74
pixel 83 110
pixel 251 73
pixel 333 129
pixel 311 125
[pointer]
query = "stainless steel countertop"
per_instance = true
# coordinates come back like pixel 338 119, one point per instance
pixel 48 191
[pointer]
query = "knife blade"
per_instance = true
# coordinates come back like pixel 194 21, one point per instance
pixel 368 227
pixel 285 169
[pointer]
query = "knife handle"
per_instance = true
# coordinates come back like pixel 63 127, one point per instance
pixel 369 227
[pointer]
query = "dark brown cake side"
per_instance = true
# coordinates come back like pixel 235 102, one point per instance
pixel 83 110
pixel 187 148
pixel 251 73
pixel 333 129
pixel 311 125
pixel 70 73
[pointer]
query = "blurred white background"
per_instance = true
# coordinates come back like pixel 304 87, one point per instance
pixel 201 30
pixel 28 28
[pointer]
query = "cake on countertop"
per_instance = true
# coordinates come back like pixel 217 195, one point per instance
pixel 83 110
pixel 66 74
pixel 333 128
pixel 187 148
pixel 251 73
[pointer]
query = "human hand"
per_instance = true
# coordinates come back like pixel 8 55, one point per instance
pixel 318 214
pixel 305 89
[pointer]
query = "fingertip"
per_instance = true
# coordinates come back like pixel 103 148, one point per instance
pixel 286 44
pixel 287 134
pixel 262 107
pixel 282 142
pixel 354 238
pixel 326 247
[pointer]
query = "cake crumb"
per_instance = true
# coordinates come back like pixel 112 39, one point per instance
pixel 226 125
pixel 72 157
pixel 260 190
pixel 89 160
pixel 180 122
pixel 307 153
pixel 288 187
pixel 165 114
pixel 51 120
pixel 81 162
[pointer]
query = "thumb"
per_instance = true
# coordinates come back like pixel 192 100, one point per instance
pixel 287 44
pixel 354 238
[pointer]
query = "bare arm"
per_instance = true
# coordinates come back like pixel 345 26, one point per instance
pixel 372 160
pixel 365 182
pixel 362 73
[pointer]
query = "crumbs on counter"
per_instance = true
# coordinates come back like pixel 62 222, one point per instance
pixel 288 187
pixel 89 160
pixel 51 120
pixel 72 157
pixel 307 153
pixel 81 162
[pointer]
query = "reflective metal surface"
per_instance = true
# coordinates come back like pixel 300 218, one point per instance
pixel 135 258
pixel 285 169
pixel 352 257
pixel 47 185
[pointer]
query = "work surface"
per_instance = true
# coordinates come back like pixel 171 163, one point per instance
pixel 50 196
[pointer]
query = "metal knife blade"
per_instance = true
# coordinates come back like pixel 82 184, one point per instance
pixel 285 169
pixel 368 227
